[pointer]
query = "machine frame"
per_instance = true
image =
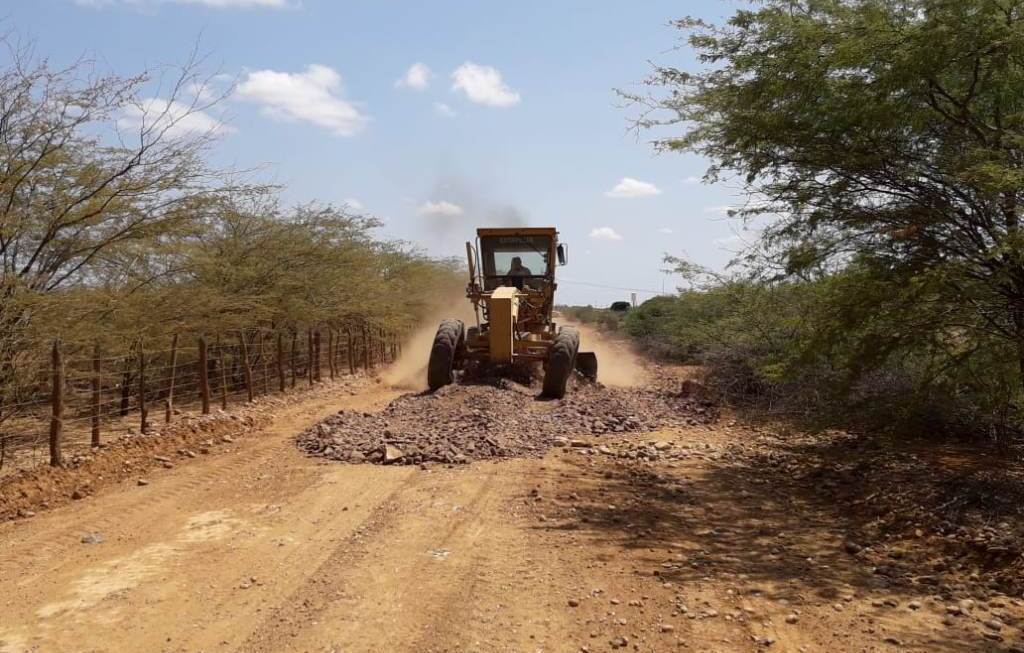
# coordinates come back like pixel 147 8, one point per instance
pixel 515 325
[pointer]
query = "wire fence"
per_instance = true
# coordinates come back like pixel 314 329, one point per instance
pixel 86 390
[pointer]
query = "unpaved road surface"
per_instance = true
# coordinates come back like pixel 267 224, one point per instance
pixel 643 541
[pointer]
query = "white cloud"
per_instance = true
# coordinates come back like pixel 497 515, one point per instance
pixel 483 85
pixel 313 96
pixel 665 230
pixel 692 180
pixel 215 4
pixel 629 187
pixel 440 208
pixel 417 77
pixel 353 204
pixel 604 233
pixel 443 109
pixel 174 118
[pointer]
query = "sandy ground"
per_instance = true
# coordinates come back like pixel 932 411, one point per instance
pixel 257 547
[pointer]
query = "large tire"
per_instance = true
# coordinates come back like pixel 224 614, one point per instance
pixel 561 362
pixel 586 364
pixel 448 344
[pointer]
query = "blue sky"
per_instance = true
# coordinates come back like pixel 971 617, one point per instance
pixel 437 116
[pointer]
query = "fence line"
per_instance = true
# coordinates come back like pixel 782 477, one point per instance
pixel 84 384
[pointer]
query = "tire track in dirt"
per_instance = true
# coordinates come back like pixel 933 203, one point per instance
pixel 356 583
pixel 515 601
pixel 312 598
pixel 127 503
pixel 153 539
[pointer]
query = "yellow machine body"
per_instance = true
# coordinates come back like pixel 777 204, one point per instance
pixel 514 314
pixel 503 314
pixel 512 288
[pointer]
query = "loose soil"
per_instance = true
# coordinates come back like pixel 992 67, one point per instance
pixel 710 535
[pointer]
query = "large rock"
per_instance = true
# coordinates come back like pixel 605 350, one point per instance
pixel 392 454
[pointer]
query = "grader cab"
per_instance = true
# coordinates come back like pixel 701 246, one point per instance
pixel 512 288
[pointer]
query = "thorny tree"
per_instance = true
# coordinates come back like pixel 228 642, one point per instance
pixel 884 137
pixel 89 166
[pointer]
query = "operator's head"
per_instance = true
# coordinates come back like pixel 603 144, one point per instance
pixel 516 262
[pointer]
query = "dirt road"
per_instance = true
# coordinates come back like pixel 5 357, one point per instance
pixel 611 543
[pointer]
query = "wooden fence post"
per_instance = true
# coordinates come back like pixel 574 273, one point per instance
pixel 57 406
pixel 143 412
pixel 126 385
pixel 367 358
pixel 266 373
pixel 350 350
pixel 337 353
pixel 169 405
pixel 316 349
pixel 204 376
pixel 295 353
pixel 222 361
pixel 330 352
pixel 96 369
pixel 309 346
pixel 246 367
pixel 377 360
pixel 280 360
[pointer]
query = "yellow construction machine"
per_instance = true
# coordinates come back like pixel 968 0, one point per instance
pixel 512 288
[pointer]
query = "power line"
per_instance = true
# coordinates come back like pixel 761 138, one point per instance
pixel 600 285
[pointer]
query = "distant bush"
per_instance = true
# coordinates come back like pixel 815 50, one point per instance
pixel 599 317
pixel 843 348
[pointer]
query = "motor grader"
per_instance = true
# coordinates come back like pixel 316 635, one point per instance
pixel 512 288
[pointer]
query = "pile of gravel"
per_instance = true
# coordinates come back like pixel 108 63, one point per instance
pixel 462 423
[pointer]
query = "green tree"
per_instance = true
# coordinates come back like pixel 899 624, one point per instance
pixel 885 136
pixel 91 172
pixel 115 230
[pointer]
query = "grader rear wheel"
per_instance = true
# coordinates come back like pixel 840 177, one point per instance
pixel 561 362
pixel 449 342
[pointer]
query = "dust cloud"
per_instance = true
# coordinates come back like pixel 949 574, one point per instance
pixel 480 207
pixel 409 372
pixel 617 364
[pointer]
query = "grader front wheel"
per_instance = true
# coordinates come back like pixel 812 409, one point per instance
pixel 561 362
pixel 444 354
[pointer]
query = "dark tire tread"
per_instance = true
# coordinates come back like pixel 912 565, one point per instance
pixel 448 343
pixel 561 362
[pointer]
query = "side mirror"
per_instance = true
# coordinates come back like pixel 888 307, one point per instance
pixel 563 253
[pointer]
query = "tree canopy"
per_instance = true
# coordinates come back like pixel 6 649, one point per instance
pixel 114 227
pixel 881 141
